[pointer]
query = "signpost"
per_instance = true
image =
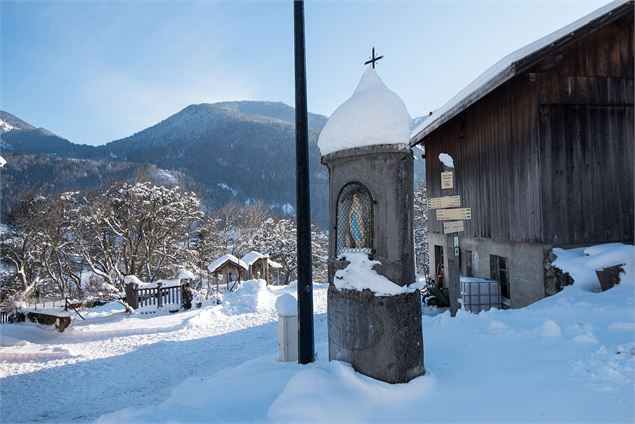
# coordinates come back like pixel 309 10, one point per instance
pixel 447 180
pixel 454 214
pixel 453 227
pixel 448 211
pixel 444 202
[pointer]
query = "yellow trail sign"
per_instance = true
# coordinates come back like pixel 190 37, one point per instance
pixel 454 214
pixel 452 227
pixel 444 202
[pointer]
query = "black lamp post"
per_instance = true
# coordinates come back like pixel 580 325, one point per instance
pixel 306 350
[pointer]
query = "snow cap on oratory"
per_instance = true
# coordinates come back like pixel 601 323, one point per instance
pixel 372 115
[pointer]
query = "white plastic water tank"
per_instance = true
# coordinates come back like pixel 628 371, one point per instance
pixel 287 307
pixel 479 294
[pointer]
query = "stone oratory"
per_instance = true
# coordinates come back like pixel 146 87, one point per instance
pixel 374 312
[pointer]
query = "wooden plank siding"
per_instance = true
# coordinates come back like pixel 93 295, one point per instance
pixel 494 144
pixel 547 156
pixel 586 138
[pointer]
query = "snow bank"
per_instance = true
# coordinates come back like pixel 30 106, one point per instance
pixel 184 274
pixel 360 275
pixel 447 160
pixel 251 296
pixel 567 358
pixel 581 263
pixel 373 115
pixel 48 311
pixel 132 279
pixel 3 162
pixel 106 310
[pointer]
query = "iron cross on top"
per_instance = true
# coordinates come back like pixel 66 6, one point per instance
pixel 373 59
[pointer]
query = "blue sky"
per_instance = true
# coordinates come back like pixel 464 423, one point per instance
pixel 94 71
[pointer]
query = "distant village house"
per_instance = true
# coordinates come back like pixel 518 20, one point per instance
pixel 261 266
pixel 228 270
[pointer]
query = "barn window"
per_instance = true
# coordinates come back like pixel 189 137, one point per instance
pixel 469 258
pixel 500 273
pixel 354 220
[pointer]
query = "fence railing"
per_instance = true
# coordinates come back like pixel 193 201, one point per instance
pixel 158 297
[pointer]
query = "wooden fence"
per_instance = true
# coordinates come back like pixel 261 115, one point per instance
pixel 156 296
pixel 4 316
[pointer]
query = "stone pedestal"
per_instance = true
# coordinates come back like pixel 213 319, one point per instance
pixel 380 336
pixel 365 147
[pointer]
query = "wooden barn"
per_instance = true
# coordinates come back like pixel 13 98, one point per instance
pixel 542 144
pixel 228 270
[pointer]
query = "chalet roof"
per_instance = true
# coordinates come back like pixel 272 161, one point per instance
pixel 515 63
pixel 214 266
pixel 251 257
pixel 274 264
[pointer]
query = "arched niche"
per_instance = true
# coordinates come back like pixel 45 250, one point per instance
pixel 355 220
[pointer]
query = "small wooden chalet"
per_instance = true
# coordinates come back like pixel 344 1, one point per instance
pixel 227 269
pixel 543 151
pixel 260 265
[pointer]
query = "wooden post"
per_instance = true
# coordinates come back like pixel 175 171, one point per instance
pixel 132 298
pixel 452 258
pixel 452 273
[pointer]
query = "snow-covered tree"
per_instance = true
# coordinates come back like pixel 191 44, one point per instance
pixel 210 241
pixel 277 238
pixel 56 240
pixel 154 228
pixel 252 218
pixel 18 250
pixel 421 230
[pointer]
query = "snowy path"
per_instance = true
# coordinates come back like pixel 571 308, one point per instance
pixel 109 363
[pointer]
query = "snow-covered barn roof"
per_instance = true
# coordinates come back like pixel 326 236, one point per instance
pixel 214 266
pixel 251 257
pixel 511 65
pixel 274 264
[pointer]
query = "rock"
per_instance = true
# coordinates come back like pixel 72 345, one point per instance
pixel 59 322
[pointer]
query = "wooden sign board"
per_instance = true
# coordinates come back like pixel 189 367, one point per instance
pixel 444 202
pixel 454 214
pixel 447 180
pixel 452 227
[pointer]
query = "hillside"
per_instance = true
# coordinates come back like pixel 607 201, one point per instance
pixel 240 151
pixel 236 151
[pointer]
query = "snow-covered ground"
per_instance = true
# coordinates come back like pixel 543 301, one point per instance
pixel 570 357
pixel 113 360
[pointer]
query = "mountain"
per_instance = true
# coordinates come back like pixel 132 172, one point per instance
pixel 18 136
pixel 235 151
pixel 10 122
pixel 241 151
